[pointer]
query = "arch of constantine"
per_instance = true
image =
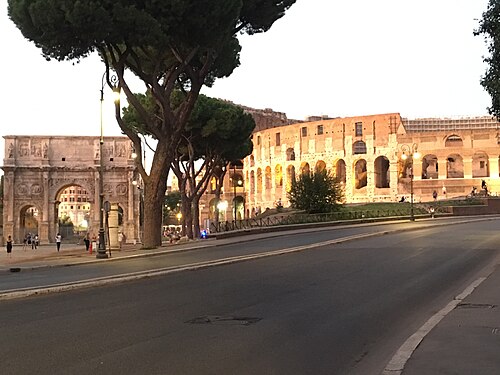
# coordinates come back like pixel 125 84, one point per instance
pixel 366 154
pixel 39 169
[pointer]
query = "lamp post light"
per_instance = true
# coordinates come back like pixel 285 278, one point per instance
pixel 113 83
pixel 410 154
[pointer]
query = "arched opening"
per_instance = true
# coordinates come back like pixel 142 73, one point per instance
pixel 382 175
pixel 358 148
pixel 239 207
pixel 454 166
pixel 360 174
pixel 268 179
pixel 73 216
pixel 341 171
pixel 278 175
pixel 430 167
pixel 480 165
pixel 29 221
pixel 259 181
pixel 304 168
pixel 252 182
pixel 453 141
pixel 320 166
pixel 252 160
pixel 290 154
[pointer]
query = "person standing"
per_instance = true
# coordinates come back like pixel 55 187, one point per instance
pixel 86 241
pixel 58 241
pixel 25 241
pixel 34 242
pixel 9 247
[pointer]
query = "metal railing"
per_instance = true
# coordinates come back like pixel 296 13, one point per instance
pixel 275 220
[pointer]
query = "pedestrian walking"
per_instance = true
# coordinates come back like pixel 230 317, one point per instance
pixel 58 241
pixel 120 239
pixel 435 195
pixel 25 241
pixel 9 247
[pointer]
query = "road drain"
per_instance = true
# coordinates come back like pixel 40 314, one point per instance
pixel 475 306
pixel 224 320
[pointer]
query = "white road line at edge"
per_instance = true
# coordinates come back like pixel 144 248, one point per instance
pixel 398 361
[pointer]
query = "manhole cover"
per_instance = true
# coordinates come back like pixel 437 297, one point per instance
pixel 224 320
pixel 475 306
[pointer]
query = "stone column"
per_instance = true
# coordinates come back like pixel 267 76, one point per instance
pixel 113 227
pixel 442 167
pixel 467 168
pixel 493 167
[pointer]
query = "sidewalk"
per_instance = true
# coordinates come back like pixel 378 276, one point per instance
pixel 46 255
pixel 467 340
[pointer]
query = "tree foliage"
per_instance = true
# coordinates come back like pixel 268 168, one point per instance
pixel 316 192
pixel 169 45
pixel 489 27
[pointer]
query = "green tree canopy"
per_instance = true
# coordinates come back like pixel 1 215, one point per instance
pixel 168 45
pixel 490 28
pixel 316 192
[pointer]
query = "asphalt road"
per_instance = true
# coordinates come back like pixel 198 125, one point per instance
pixel 337 309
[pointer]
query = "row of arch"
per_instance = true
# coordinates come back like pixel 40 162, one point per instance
pixel 261 179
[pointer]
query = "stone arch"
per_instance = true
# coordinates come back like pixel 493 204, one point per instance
pixel 320 166
pixel 252 160
pixel 480 164
pixel 382 173
pixel 268 179
pixel 252 182
pixel 454 166
pixel 239 207
pixel 73 203
pixel 453 140
pixel 212 208
pixel 278 175
pixel 42 166
pixel 360 174
pixel 28 221
pixel 430 167
pixel 305 168
pixel 341 170
pixel 259 180
pixel 290 154
pixel 358 147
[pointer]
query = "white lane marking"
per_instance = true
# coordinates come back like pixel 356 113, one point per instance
pixel 398 361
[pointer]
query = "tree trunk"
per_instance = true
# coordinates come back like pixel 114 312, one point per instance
pixel 196 217
pixel 188 215
pixel 154 197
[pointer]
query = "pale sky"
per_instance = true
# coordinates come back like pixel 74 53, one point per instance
pixel 324 57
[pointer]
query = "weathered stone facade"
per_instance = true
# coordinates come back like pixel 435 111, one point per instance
pixel 38 168
pixel 365 153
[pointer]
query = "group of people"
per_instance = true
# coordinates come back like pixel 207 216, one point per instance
pixel 484 188
pixel 31 240
pixel 172 234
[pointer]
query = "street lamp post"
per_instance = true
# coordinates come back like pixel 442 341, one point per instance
pixel 237 182
pixel 410 153
pixel 101 250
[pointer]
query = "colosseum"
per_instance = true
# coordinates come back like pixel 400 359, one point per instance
pixel 377 158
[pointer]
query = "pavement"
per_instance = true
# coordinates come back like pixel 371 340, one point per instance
pixel 461 339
